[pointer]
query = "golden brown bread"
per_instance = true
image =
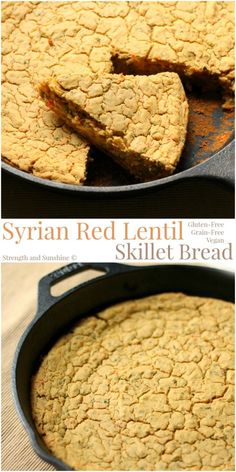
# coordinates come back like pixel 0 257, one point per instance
pixel 196 37
pixel 140 121
pixel 143 385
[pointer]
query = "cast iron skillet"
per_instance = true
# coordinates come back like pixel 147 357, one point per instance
pixel 118 282
pixel 219 166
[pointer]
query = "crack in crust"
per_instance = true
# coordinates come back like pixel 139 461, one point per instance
pixel 140 121
pixel 143 385
pixel 43 38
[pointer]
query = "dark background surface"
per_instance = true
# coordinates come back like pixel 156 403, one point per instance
pixel 195 197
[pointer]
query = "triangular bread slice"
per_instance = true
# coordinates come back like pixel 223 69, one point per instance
pixel 140 121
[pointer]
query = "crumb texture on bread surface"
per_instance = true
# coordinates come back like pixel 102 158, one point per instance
pixel 42 38
pixel 143 385
pixel 139 120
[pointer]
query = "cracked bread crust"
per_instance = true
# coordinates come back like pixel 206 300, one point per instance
pixel 140 121
pixel 142 385
pixel 42 38
pixel 35 140
pixel 194 39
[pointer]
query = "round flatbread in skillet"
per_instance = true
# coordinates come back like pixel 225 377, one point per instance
pixel 143 385
pixel 40 38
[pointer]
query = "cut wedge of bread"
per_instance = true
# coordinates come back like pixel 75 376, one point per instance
pixel 141 121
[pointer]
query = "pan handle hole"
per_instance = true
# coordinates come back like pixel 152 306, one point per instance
pixel 76 279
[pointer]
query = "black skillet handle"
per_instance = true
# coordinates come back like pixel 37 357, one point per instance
pixel 46 299
pixel 220 166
